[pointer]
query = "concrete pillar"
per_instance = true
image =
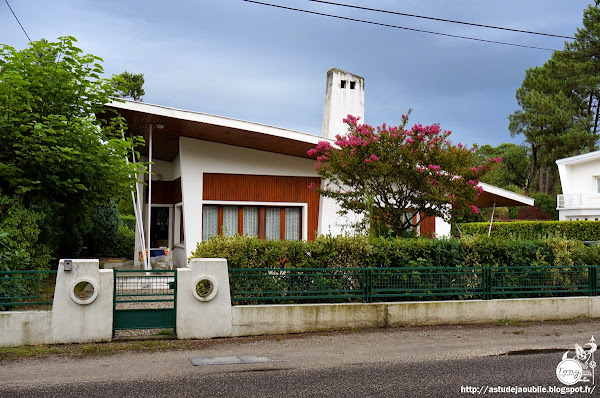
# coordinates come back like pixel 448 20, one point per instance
pixel 207 315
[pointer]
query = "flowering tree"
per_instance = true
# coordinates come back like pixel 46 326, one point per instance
pixel 389 174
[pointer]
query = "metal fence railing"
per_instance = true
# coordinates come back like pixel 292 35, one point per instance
pixel 302 285
pixel 27 289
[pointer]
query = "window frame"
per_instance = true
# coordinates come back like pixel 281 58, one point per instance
pixel 261 213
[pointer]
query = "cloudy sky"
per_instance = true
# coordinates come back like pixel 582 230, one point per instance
pixel 268 65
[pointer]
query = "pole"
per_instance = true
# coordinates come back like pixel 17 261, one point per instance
pixel 492 219
pixel 147 264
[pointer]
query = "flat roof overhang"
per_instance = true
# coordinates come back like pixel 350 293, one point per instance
pixel 179 123
pixel 499 197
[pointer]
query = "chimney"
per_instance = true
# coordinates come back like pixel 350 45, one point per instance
pixel 344 95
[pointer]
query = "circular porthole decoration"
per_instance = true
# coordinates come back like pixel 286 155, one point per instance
pixel 84 291
pixel 205 288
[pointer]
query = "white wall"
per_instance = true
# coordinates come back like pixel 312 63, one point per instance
pixel 68 321
pixel 198 157
pixel 580 177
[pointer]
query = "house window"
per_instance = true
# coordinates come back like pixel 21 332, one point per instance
pixel 598 185
pixel 178 230
pixel 267 222
pixel 352 84
pixel 343 84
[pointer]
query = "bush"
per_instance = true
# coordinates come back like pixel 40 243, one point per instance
pixel 124 242
pixel 578 230
pixel 128 220
pixel 360 251
pixel 101 239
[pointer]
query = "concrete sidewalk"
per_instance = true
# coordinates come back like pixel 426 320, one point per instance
pixel 310 351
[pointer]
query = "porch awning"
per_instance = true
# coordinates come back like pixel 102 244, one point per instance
pixel 501 197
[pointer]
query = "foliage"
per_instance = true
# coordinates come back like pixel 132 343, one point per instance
pixel 512 172
pixel 129 85
pixel 57 157
pixel 124 242
pixel 532 213
pixel 560 103
pixel 19 232
pixel 128 220
pixel 390 173
pixel 360 251
pixel 102 236
pixel 578 230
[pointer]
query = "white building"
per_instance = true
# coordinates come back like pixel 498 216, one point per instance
pixel 580 180
pixel 213 175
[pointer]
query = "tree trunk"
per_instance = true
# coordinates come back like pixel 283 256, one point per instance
pixel 531 170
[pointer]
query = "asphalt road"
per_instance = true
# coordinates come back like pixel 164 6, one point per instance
pixel 403 362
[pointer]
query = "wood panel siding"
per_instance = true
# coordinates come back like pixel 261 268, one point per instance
pixel 166 192
pixel 427 227
pixel 272 189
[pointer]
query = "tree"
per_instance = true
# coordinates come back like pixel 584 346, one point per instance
pixel 391 173
pixel 129 85
pixel 560 104
pixel 512 173
pixel 56 156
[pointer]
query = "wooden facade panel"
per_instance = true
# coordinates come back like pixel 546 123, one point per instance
pixel 254 188
pixel 427 227
pixel 166 192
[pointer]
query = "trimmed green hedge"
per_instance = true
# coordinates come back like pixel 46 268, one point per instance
pixel 361 251
pixel 578 230
pixel 129 221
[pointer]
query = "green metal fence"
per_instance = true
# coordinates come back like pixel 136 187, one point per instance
pixel 24 290
pixel 295 285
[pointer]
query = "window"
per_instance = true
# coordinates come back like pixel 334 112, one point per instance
pixel 178 230
pixel 352 85
pixel 598 185
pixel 343 84
pixel 266 222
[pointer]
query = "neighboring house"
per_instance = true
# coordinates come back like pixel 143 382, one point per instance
pixel 580 181
pixel 215 175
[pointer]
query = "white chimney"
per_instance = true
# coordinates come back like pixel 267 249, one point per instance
pixel 344 95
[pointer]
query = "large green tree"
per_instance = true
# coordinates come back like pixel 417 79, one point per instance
pixel 389 173
pixel 559 104
pixel 129 85
pixel 56 156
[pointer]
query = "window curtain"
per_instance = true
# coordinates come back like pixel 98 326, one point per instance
pixel 230 220
pixel 210 221
pixel 251 220
pixel 272 223
pixel 292 223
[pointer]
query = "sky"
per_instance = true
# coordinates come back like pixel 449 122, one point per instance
pixel 267 65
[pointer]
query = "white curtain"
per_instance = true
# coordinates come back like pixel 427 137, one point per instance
pixel 210 221
pixel 251 220
pixel 230 220
pixel 292 223
pixel 272 223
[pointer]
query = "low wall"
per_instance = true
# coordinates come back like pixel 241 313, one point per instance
pixel 70 321
pixel 208 313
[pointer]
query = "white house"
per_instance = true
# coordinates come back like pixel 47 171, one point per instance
pixel 580 180
pixel 216 175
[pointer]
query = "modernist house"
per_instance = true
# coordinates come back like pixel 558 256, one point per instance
pixel 215 175
pixel 580 181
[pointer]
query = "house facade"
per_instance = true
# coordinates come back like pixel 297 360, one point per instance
pixel 212 175
pixel 580 181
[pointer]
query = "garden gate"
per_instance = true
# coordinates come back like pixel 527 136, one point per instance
pixel 144 299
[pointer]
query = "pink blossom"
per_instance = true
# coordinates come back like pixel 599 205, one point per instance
pixel 421 169
pixel 409 141
pixel 374 158
pixel 460 145
pixel 475 209
pixel 473 168
pixel 434 167
pixel 312 185
pixel 367 160
pixel 311 152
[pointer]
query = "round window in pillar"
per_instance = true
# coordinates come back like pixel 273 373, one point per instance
pixel 205 288
pixel 84 291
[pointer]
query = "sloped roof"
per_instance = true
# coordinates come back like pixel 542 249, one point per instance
pixel 501 197
pixel 180 123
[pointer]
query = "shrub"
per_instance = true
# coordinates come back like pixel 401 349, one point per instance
pixel 578 230
pixel 124 242
pixel 128 220
pixel 360 251
pixel 101 239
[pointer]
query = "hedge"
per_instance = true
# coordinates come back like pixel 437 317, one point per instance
pixel 128 220
pixel 578 230
pixel 361 251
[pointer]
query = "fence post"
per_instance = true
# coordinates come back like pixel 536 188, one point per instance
pixel 367 288
pixel 486 280
pixel 592 280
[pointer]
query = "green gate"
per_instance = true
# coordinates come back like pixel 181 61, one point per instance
pixel 144 299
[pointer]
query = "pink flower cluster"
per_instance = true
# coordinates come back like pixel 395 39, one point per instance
pixel 435 168
pixel 351 120
pixel 475 209
pixel 372 158
pixel 495 160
